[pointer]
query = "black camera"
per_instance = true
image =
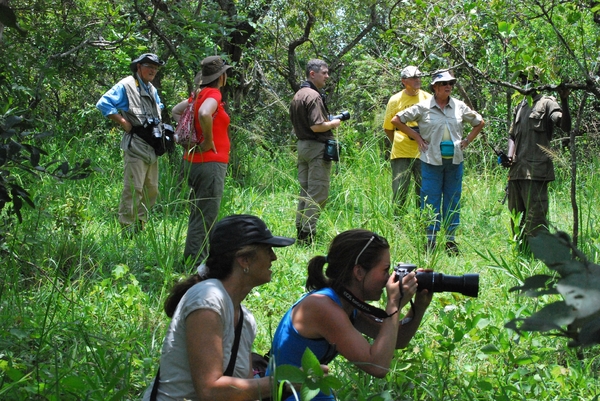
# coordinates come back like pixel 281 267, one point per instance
pixel 503 158
pixel 158 135
pixel 343 116
pixel 156 132
pixel 467 284
pixel 169 131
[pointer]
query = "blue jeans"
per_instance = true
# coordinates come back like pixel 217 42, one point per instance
pixel 441 187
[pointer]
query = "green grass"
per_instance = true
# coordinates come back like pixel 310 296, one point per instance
pixel 81 307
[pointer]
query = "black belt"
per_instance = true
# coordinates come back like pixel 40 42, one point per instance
pixel 416 129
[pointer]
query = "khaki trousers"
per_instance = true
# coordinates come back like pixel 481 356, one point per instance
pixel 530 198
pixel 140 189
pixel 313 175
pixel 207 183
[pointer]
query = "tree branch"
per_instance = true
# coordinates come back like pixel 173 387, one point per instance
pixel 573 150
pixel 291 75
pixel 562 39
pixel 587 86
pixel 149 21
pixel 38 87
pixel 372 24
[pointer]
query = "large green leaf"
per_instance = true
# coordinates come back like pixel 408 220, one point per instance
pixel 533 283
pixel 581 292
pixel 590 333
pixel 550 317
pixel 290 373
pixel 551 249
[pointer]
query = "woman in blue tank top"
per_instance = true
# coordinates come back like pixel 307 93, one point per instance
pixel 332 318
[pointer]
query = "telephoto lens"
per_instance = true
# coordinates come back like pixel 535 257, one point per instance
pixel 467 284
pixel 343 116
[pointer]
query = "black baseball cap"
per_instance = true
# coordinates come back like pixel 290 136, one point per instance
pixel 235 231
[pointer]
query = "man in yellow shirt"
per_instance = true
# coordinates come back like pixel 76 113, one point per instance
pixel 405 151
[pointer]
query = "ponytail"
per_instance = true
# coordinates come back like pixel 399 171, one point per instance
pixel 316 279
pixel 178 291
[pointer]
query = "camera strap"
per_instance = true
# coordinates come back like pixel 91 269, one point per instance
pixel 365 307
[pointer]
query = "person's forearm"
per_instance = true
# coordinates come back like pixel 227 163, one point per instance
pixel 390 134
pixel 120 120
pixel 511 148
pixel 325 126
pixel 178 110
pixel 382 350
pixel 406 129
pixel 475 131
pixel 229 388
pixel 407 330
pixel 207 131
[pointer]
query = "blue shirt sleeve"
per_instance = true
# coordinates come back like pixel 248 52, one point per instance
pixel 158 102
pixel 113 101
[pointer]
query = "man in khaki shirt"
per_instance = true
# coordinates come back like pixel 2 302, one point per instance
pixel 531 169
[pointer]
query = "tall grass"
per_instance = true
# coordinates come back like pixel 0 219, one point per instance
pixel 81 305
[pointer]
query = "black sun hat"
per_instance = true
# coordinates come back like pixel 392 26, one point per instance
pixel 145 58
pixel 235 231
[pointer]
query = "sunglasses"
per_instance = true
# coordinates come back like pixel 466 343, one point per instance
pixel 446 83
pixel 373 237
pixel 151 67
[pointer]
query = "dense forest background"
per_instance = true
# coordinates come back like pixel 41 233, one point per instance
pixel 71 287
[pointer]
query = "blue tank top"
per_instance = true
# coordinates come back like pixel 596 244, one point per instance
pixel 289 346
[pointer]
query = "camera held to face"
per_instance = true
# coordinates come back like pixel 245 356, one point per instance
pixel 467 284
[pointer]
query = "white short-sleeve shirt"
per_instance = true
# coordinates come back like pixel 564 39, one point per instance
pixel 175 378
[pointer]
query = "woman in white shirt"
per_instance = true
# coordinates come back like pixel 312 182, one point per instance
pixel 441 143
pixel 200 359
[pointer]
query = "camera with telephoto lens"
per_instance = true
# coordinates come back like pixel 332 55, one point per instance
pixel 467 284
pixel 343 116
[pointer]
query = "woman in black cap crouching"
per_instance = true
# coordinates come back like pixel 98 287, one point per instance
pixel 207 350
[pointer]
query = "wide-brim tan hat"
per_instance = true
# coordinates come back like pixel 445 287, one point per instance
pixel 212 68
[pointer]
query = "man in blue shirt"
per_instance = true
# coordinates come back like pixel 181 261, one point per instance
pixel 134 104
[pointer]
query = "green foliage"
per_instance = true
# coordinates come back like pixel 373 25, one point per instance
pixel 16 155
pixel 311 377
pixel 578 282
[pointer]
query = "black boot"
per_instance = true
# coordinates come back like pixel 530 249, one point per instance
pixel 305 238
pixel 452 248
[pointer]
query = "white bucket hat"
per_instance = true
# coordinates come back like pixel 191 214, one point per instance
pixel 443 76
